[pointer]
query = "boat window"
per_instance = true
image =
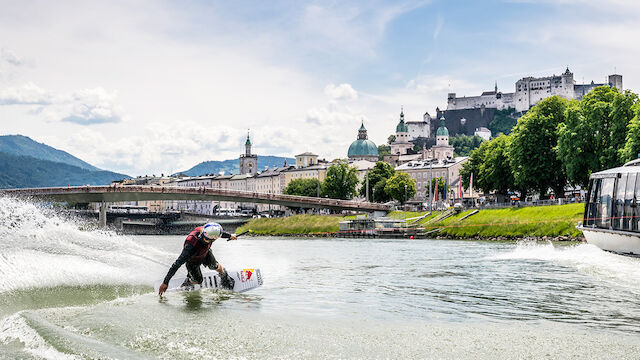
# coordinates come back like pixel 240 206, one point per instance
pixel 605 199
pixel 592 203
pixel 618 210
pixel 629 203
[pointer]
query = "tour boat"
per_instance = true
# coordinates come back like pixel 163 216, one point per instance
pixel 612 212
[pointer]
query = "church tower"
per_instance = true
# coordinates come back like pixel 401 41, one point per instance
pixel 248 161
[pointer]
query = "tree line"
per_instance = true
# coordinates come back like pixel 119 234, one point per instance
pixel 341 182
pixel 559 142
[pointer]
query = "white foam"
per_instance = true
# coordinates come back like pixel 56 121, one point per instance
pixel 15 328
pixel 40 249
pixel 586 258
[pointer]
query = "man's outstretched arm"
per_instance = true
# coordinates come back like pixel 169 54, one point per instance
pixel 186 253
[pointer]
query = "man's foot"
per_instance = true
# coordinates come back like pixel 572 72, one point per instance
pixel 187 284
pixel 227 281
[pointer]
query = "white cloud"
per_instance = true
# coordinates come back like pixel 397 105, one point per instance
pixel 340 92
pixel 92 106
pixel 10 57
pixel 27 94
pixel 439 24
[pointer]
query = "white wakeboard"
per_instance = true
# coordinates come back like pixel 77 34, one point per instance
pixel 245 280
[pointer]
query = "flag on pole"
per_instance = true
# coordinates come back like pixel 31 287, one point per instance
pixel 471 185
pixel 460 186
pixel 435 193
pixel 444 191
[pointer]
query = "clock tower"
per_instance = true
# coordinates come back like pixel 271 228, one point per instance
pixel 248 161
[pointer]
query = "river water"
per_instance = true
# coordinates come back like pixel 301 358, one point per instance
pixel 67 293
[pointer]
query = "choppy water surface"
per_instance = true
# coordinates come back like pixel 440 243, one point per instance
pixel 72 294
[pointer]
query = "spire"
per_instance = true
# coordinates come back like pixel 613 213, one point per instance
pixel 496 87
pixel 362 132
pixel 247 145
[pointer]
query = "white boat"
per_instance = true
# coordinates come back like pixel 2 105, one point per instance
pixel 612 212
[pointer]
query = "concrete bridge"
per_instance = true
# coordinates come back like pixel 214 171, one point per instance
pixel 108 194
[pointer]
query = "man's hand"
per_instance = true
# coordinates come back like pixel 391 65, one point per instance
pixel 162 289
pixel 233 237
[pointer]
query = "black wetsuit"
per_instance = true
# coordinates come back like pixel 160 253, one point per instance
pixel 196 252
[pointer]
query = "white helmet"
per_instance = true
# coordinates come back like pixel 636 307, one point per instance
pixel 212 231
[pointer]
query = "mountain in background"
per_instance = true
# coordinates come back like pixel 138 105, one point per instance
pixel 25 146
pixel 233 166
pixel 28 163
pixel 18 171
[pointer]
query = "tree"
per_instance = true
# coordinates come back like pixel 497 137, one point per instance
pixel 303 187
pixel 379 195
pixel 400 187
pixel 391 139
pixel 532 154
pixel 439 181
pixel 463 144
pixel 594 132
pixel 503 121
pixel 631 148
pixel 341 181
pixel 383 150
pixel 495 172
pixel 380 172
pixel 472 166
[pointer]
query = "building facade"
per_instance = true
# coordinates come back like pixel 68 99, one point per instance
pixel 422 171
pixel 529 91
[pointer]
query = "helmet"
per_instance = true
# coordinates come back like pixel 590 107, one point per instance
pixel 212 231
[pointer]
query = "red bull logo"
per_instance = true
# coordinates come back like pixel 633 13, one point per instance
pixel 245 274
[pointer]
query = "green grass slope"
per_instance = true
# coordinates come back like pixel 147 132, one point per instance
pixel 555 220
pixel 296 224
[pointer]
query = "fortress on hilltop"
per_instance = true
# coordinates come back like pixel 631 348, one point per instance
pixel 529 91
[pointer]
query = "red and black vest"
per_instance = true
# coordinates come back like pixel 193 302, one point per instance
pixel 201 246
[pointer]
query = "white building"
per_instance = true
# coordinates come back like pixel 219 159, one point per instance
pixel 422 171
pixel 483 132
pixel 529 91
pixel 420 129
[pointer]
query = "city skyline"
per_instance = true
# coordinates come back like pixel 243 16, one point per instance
pixel 159 87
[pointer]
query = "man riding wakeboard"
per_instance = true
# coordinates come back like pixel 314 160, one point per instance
pixel 196 252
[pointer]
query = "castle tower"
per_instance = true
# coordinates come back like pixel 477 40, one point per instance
pixel 248 161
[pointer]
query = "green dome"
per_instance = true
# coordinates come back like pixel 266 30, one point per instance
pixel 363 148
pixel 442 130
pixel 402 127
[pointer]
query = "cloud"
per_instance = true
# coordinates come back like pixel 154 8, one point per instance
pixel 83 107
pixel 27 94
pixel 93 106
pixel 439 24
pixel 340 92
pixel 11 58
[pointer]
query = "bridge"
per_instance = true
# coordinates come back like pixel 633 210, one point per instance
pixel 108 194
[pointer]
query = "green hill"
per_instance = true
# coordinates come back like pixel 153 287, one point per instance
pixel 18 171
pixel 25 146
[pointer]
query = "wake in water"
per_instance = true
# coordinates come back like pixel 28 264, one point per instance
pixel 41 249
pixel 587 259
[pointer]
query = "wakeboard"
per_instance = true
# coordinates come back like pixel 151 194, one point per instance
pixel 245 280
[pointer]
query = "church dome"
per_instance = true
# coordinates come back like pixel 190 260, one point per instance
pixel 363 148
pixel 402 127
pixel 442 130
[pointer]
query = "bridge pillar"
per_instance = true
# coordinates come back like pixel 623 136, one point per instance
pixel 102 219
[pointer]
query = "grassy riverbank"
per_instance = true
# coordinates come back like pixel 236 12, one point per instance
pixel 296 224
pixel 538 221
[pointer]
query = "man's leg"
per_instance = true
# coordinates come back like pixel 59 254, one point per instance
pixel 210 261
pixel 194 273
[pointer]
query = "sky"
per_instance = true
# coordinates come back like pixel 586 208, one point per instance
pixel 150 87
